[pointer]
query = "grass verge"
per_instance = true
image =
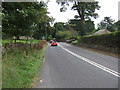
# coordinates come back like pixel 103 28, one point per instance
pixel 20 66
pixel 97 50
pixel 21 40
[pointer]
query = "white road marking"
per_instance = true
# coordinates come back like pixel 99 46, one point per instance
pixel 93 63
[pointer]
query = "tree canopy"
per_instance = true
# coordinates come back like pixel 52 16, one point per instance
pixel 25 18
pixel 105 23
pixel 85 10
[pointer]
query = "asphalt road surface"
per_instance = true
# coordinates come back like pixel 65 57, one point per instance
pixel 67 66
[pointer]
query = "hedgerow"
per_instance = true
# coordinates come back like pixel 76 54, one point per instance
pixel 111 40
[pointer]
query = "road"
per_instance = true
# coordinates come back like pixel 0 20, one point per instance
pixel 67 66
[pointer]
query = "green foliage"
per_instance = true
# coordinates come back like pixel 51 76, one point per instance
pixel 6 36
pixel 25 19
pixel 61 35
pixel 95 30
pixel 64 35
pixel 107 40
pixel 20 66
pixel 79 39
pixel 74 42
pixel 117 25
pixel 49 38
pixel 85 10
pixel 107 23
pixel 76 25
pixel 58 26
pixel 89 27
pixel 62 31
pixel 21 40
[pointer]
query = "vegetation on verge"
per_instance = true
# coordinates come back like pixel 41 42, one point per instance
pixel 106 41
pixel 20 65
pixel 19 41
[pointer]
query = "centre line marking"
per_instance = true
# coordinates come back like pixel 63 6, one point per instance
pixel 93 63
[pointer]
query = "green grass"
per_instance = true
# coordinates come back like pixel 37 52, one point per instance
pixel 22 41
pixel 19 68
pixel 75 42
pixel 5 41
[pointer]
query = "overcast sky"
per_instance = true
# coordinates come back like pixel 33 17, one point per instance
pixel 108 8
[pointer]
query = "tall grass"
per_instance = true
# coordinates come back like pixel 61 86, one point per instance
pixel 21 40
pixel 20 66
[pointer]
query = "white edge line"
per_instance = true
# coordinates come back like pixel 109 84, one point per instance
pixel 93 63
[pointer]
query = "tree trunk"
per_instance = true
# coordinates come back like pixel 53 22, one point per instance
pixel 83 28
pixel 17 37
pixel 15 41
pixel 82 19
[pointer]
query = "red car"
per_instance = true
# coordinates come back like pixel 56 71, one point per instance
pixel 53 43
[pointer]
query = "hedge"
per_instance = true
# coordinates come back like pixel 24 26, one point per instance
pixel 111 40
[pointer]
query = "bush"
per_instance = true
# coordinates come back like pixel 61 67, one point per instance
pixel 6 36
pixel 65 35
pixel 79 39
pixel 39 45
pixel 74 42
pixel 107 40
pixel 21 65
pixel 49 38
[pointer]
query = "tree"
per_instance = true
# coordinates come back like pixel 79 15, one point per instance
pixel 58 26
pixel 76 24
pixel 43 30
pixel 18 18
pixel 65 35
pixel 106 23
pixel 24 18
pixel 117 25
pixel 89 27
pixel 85 10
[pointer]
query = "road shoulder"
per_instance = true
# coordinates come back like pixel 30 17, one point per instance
pixel 99 51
